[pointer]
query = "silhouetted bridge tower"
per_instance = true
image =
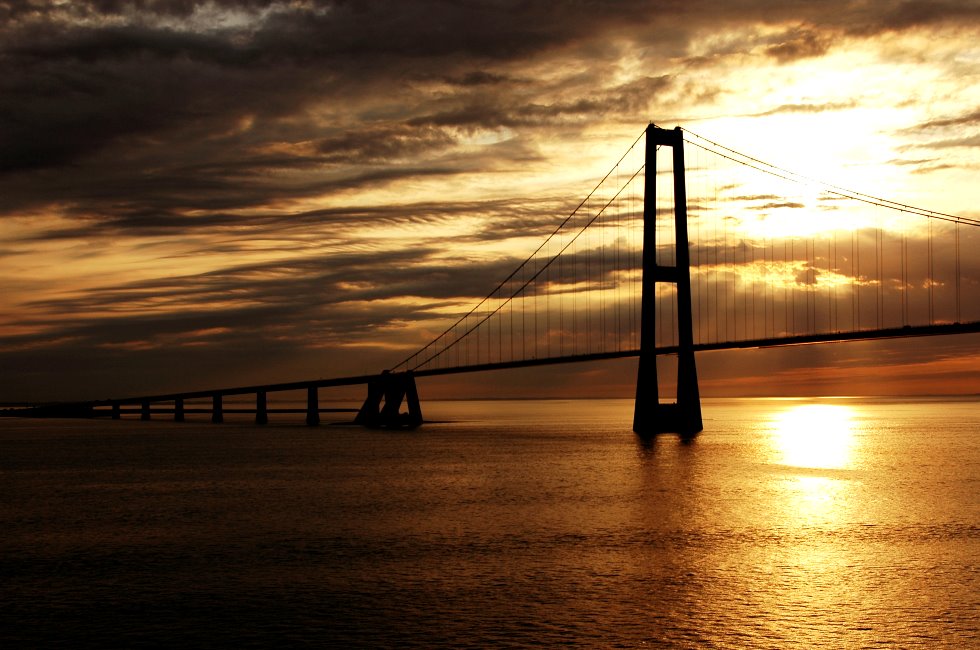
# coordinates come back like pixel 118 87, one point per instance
pixel 641 269
pixel 650 415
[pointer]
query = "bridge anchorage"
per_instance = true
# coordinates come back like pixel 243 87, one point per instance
pixel 391 388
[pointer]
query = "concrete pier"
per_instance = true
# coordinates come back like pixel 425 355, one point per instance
pixel 217 413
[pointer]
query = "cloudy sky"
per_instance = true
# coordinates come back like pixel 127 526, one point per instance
pixel 203 194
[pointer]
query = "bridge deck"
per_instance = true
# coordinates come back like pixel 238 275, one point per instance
pixel 833 337
pixel 864 335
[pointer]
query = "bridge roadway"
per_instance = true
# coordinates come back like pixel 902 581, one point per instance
pixel 782 341
pixel 97 408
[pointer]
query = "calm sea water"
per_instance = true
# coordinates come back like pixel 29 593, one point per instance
pixel 836 523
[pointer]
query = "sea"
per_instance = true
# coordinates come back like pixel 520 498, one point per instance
pixel 786 523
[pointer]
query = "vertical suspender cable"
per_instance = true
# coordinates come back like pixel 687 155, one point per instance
pixel 956 240
pixel 929 256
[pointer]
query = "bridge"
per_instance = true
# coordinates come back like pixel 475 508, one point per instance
pixel 667 257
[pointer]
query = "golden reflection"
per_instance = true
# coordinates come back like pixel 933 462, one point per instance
pixel 818 439
pixel 817 436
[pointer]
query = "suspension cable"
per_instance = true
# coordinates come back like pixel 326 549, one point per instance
pixel 836 190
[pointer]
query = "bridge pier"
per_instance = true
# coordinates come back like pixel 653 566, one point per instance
pixel 144 410
pixel 312 407
pixel 116 411
pixel 261 408
pixel 217 414
pixel 178 410
pixel 392 389
pixel 650 415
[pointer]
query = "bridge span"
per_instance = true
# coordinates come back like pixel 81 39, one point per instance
pixel 654 263
pixel 392 391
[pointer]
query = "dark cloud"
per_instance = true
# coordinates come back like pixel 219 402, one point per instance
pixel 776 205
pixel 481 78
pixel 800 44
pixel 922 13
pixel 751 197
pixel 966 119
pixel 78 80
pixel 969 141
pixel 384 144
pixel 808 108
pixel 912 161
pixel 928 169
pixel 515 112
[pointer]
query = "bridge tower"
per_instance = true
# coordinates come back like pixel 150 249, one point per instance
pixel 650 415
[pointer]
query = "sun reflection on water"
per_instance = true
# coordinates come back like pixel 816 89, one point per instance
pixel 818 436
pixel 819 440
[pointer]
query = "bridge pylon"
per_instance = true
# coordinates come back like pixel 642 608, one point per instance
pixel 650 415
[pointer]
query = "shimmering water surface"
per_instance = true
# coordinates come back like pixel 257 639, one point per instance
pixel 837 523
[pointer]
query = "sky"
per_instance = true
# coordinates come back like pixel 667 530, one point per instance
pixel 196 195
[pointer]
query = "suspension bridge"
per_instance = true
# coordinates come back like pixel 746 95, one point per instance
pixel 684 246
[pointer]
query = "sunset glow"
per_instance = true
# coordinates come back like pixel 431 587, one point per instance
pixel 315 188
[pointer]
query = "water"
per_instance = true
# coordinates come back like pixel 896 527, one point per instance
pixel 787 523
